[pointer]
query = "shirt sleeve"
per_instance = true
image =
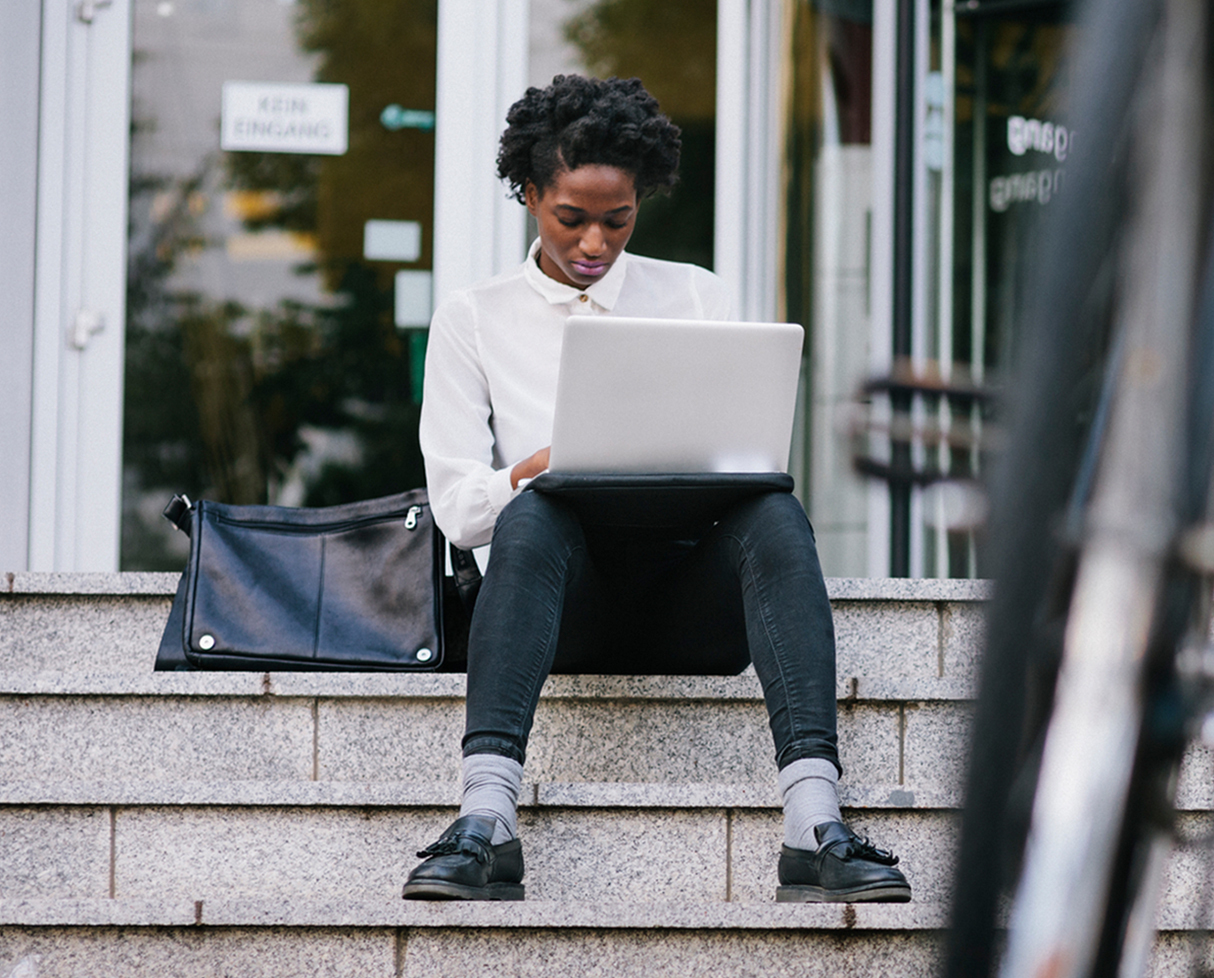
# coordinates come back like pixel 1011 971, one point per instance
pixel 466 492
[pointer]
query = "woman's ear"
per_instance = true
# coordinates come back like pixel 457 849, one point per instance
pixel 531 195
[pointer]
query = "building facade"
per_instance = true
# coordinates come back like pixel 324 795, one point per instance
pixel 226 223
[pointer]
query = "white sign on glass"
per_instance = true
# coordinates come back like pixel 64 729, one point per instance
pixel 392 240
pixel 285 118
pixel 413 297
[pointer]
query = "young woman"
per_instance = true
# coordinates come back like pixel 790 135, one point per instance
pixel 560 597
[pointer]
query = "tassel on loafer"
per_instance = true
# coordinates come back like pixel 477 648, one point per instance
pixel 843 869
pixel 465 865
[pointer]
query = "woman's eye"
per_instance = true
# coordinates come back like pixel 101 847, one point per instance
pixel 617 225
pixel 568 223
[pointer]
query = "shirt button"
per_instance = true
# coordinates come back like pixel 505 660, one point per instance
pixel 583 297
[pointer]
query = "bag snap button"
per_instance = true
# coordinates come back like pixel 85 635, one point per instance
pixel 424 655
pixel 206 643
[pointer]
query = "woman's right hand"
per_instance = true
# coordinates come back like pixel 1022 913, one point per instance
pixel 529 468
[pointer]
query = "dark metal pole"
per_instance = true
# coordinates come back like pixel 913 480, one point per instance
pixel 904 174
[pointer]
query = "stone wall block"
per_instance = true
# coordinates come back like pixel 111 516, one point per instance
pixel 886 648
pixel 136 952
pixel 937 741
pixel 62 738
pixel 51 633
pixel 54 853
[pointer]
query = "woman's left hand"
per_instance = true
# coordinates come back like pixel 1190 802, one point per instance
pixel 529 468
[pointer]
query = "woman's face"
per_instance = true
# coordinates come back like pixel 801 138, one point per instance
pixel 585 218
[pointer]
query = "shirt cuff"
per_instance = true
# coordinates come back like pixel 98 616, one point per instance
pixel 500 490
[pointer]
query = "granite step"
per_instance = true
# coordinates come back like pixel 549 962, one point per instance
pixel 261 824
pixel 586 841
pixel 315 727
pixel 395 939
pixel 302 938
pixel 894 636
pixel 78 701
pixel 329 727
pixel 581 843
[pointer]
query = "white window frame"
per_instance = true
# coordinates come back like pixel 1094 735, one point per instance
pixel 881 259
pixel 749 127
pixel 482 69
pixel 79 303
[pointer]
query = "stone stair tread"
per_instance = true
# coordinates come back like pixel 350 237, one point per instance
pixel 133 583
pixel 415 685
pixel 441 686
pixel 376 913
pixel 900 641
pixel 156 584
pixel 413 794
pixel 532 914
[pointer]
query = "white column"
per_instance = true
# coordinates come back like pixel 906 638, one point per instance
pixel 482 69
pixel 80 314
pixel 730 230
pixel 749 129
pixel 881 280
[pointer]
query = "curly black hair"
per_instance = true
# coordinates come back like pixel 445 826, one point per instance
pixel 577 121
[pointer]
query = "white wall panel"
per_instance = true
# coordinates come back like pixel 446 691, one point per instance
pixel 482 69
pixel 20 30
pixel 75 483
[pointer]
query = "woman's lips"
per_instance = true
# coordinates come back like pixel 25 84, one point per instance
pixel 591 269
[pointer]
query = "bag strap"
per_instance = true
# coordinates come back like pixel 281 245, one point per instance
pixel 467 576
pixel 180 512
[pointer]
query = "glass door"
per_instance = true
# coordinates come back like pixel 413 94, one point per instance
pixel 827 252
pixel 280 254
pixel 1010 145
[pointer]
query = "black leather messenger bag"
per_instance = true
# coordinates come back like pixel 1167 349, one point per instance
pixel 357 587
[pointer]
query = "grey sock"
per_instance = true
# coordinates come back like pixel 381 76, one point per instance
pixel 810 789
pixel 491 787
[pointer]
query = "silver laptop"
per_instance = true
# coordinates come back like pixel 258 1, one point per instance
pixel 639 395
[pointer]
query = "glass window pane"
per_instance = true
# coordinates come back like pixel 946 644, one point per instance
pixel 827 214
pixel 671 46
pixel 271 355
pixel 1011 149
pixel 1011 146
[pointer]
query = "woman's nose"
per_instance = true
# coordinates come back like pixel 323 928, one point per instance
pixel 592 241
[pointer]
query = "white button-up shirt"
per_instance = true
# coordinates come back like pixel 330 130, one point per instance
pixel 491 368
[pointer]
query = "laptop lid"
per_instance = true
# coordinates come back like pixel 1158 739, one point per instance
pixel 639 395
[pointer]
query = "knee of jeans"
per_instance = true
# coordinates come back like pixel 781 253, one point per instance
pixel 534 519
pixel 775 514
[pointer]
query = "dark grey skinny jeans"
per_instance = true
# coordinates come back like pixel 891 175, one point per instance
pixel 558 597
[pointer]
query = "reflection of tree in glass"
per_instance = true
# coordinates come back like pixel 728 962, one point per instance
pixel 384 50
pixel 161 446
pixel 264 384
pixel 671 46
pixel 288 182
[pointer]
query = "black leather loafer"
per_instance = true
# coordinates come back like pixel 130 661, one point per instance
pixel 844 869
pixel 465 865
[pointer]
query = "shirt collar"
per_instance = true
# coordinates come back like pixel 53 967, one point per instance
pixel 603 293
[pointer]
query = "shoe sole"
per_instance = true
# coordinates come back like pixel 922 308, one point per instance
pixel 437 890
pixel 816 894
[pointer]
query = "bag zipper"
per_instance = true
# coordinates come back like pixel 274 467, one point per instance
pixel 410 515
